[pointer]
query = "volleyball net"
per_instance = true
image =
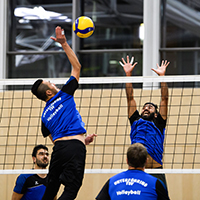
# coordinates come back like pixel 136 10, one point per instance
pixel 102 104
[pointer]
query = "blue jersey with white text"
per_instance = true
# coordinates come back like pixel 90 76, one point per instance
pixel 60 116
pixel 149 133
pixel 133 184
pixel 31 185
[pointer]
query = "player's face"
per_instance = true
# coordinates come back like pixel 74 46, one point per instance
pixel 148 112
pixel 52 87
pixel 42 158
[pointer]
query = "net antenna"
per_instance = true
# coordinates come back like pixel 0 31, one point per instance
pixel 103 106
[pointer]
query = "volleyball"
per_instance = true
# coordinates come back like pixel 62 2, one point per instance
pixel 83 27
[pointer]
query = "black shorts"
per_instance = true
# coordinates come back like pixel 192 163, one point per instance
pixel 66 167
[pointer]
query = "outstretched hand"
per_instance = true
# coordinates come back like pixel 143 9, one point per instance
pixel 127 66
pixel 90 138
pixel 161 69
pixel 60 36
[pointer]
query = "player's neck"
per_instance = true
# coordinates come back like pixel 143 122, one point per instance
pixel 136 168
pixel 49 97
pixel 40 175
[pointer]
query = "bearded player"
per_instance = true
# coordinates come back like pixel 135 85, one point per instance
pixel 148 128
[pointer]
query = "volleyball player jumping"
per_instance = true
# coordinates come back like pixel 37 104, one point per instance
pixel 63 124
pixel 149 127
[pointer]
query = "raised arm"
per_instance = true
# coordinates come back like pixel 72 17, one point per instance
pixel 128 68
pixel 60 38
pixel 164 89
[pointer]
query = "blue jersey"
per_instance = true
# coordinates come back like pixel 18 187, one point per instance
pixel 149 133
pixel 133 184
pixel 60 117
pixel 31 185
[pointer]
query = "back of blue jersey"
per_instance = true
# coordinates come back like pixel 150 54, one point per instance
pixel 133 184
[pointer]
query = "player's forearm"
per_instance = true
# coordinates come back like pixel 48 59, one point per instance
pixel 71 56
pixel 55 198
pixel 164 91
pixel 130 99
pixel 129 91
pixel 16 196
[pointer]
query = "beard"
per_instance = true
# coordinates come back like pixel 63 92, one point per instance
pixel 41 163
pixel 149 117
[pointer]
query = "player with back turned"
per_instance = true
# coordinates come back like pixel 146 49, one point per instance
pixel 134 183
pixel 149 127
pixel 63 124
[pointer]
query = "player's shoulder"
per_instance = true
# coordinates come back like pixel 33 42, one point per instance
pixel 159 116
pixel 116 176
pixel 134 117
pixel 159 120
pixel 149 176
pixel 23 177
pixel 72 78
pixel 70 86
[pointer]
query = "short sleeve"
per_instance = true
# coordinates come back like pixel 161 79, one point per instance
pixel 103 194
pixel 19 185
pixel 160 123
pixel 71 86
pixel 160 120
pixel 134 116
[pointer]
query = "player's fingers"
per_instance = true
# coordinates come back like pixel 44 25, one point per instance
pixel 132 59
pixel 167 64
pixel 53 38
pixel 121 63
pixel 63 32
pixel 134 64
pixel 58 31
pixel 127 58
pixel 154 70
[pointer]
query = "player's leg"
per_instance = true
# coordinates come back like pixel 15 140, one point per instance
pixel 160 176
pixel 73 173
pixel 51 189
pixel 55 169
